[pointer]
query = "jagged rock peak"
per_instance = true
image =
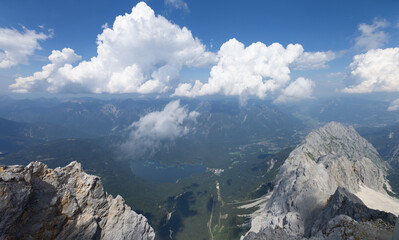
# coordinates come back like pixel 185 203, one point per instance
pixel 37 202
pixel 336 139
pixel 330 157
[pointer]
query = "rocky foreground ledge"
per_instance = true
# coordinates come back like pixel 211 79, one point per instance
pixel 37 202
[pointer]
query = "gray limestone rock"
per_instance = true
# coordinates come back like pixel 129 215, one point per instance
pixel 343 227
pixel 65 203
pixel 270 234
pixel 342 202
pixel 330 157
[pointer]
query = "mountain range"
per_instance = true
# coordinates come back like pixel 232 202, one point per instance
pixel 311 184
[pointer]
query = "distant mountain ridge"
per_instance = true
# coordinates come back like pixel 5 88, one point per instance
pixel 19 135
pixel 330 158
pixel 98 117
pixel 363 111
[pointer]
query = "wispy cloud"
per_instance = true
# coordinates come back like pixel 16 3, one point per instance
pixel 394 106
pixel 177 4
pixel 371 35
pixel 313 60
pixel 299 89
pixel 157 128
pixel 16 46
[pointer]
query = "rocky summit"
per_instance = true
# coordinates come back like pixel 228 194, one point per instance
pixel 317 188
pixel 65 203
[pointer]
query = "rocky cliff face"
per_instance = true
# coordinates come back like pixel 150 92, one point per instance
pixel 344 203
pixel 65 203
pixel 330 157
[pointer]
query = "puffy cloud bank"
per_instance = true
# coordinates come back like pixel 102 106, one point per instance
pixel 50 77
pixel 141 53
pixel 253 70
pixel 154 129
pixel 144 53
pixel 16 46
pixel 377 70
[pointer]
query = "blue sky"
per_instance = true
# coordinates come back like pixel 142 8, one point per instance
pixel 318 26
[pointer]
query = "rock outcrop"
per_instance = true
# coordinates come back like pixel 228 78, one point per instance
pixel 65 203
pixel 331 157
pixel 344 203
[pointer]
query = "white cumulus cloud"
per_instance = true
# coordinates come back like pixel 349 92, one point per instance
pixel 49 77
pixel 140 53
pixel 377 70
pixel 16 46
pixel 254 70
pixel 372 36
pixel 154 129
pixel 394 106
pixel 299 89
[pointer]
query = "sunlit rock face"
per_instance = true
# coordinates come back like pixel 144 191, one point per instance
pixel 330 158
pixel 65 203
